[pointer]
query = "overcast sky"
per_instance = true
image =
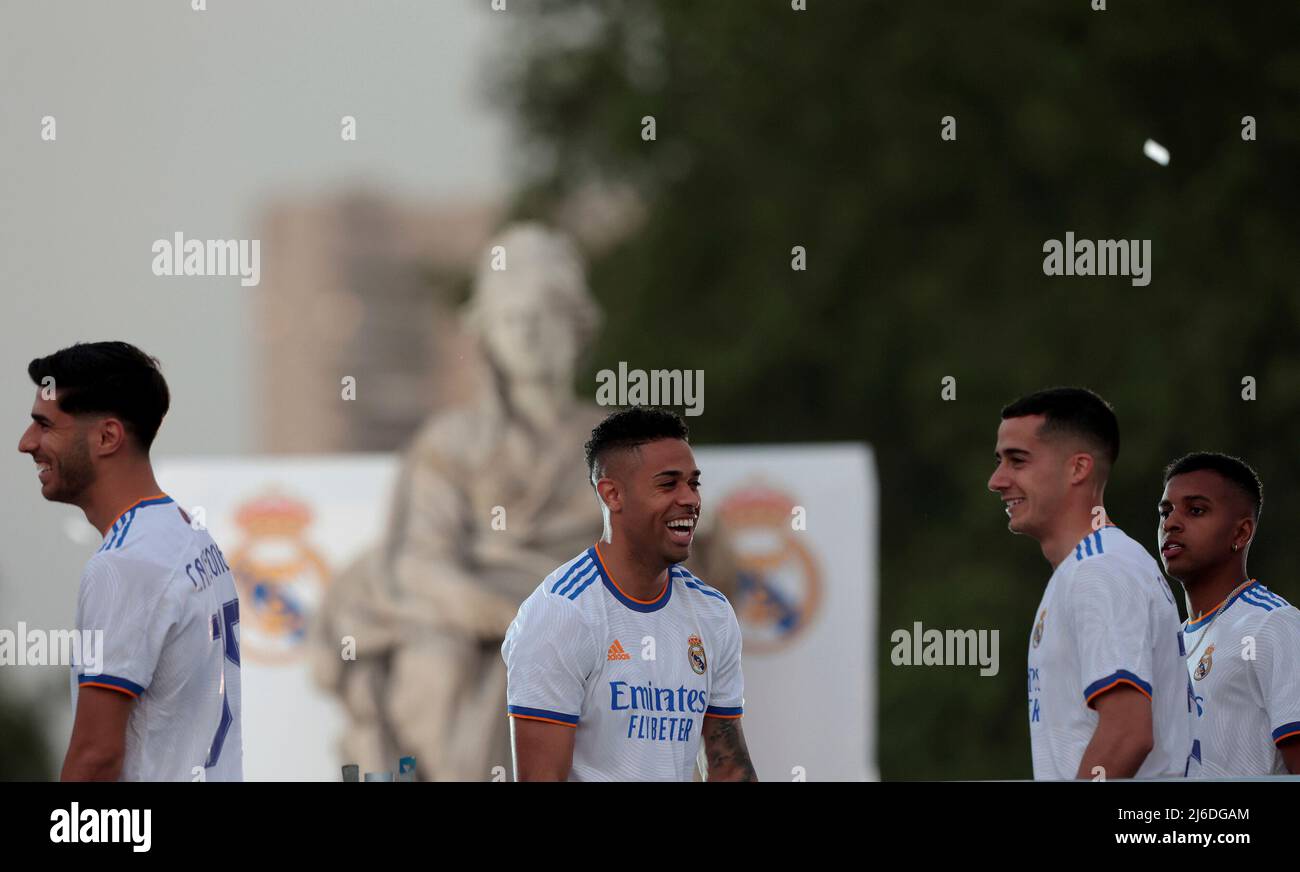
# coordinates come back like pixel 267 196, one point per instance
pixel 170 120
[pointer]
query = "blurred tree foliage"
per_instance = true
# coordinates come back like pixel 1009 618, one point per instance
pixel 821 128
pixel 23 755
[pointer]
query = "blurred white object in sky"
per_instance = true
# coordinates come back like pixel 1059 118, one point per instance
pixel 1156 152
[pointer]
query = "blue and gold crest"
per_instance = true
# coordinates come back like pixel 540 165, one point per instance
pixel 1038 628
pixel 778 577
pixel 1205 664
pixel 695 654
pixel 280 577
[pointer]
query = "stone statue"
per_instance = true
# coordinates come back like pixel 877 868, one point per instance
pixel 489 499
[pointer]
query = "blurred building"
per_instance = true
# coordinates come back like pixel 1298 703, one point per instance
pixel 364 286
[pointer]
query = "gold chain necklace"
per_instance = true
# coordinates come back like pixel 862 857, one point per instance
pixel 1205 632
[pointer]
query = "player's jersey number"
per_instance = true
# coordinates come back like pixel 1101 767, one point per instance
pixel 223 628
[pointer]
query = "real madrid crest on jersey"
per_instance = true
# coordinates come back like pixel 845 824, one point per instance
pixel 1206 663
pixel 1038 628
pixel 695 653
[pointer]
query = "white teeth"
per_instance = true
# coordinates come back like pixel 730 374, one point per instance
pixel 42 467
pixel 681 524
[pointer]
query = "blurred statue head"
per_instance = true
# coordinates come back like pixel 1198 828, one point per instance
pixel 530 305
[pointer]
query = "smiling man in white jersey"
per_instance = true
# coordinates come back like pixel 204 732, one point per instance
pixel 1107 690
pixel 622 663
pixel 161 699
pixel 1243 640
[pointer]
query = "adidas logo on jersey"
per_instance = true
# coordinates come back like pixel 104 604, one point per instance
pixel 616 652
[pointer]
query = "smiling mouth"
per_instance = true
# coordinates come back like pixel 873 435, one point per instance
pixel 1012 503
pixel 1171 549
pixel 681 530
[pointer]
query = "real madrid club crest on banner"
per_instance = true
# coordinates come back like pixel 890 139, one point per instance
pixel 779 584
pixel 800 522
pixel 279 575
pixel 285 524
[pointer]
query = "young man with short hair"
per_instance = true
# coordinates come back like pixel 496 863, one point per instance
pixel 161 700
pixel 1242 640
pixel 1107 688
pixel 622 663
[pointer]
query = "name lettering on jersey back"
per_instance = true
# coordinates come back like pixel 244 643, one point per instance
pixel 209 565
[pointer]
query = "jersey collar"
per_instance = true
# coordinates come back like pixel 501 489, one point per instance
pixel 117 530
pixel 1091 545
pixel 632 603
pixel 1204 619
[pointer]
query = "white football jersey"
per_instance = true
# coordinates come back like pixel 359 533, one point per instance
pixel 1243 662
pixel 635 678
pixel 165 601
pixel 1107 618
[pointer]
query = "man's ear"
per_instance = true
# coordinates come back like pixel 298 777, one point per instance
pixel 611 494
pixel 1244 533
pixel 107 437
pixel 1081 464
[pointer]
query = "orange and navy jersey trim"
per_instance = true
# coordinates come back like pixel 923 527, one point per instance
pixel 1286 731
pixel 536 714
pixel 1112 681
pixel 721 711
pixel 694 583
pixel 636 605
pixel 581 573
pixel 112 682
pixel 1255 594
pixel 122 525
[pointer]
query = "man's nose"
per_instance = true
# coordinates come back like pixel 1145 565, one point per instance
pixel 26 442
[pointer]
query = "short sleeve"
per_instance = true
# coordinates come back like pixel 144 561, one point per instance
pixel 549 653
pixel 727 692
pixel 1111 617
pixel 1277 667
pixel 122 624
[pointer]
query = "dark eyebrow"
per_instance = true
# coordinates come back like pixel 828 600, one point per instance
pixel 41 419
pixel 674 473
pixel 997 455
pixel 1186 499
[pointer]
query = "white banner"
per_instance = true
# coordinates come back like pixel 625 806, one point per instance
pixel 803 521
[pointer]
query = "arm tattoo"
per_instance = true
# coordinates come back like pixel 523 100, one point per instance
pixel 727 753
